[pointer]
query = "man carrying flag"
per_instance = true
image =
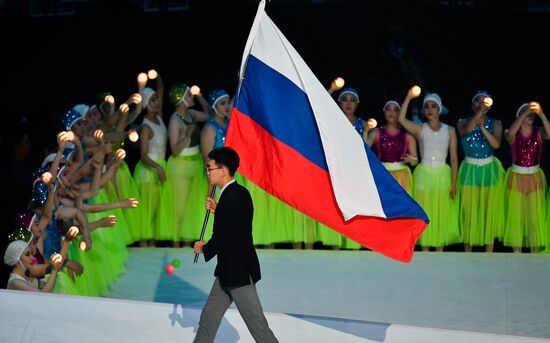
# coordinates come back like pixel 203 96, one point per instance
pixel 238 268
pixel 295 143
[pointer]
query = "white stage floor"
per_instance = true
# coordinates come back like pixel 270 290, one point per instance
pixel 308 296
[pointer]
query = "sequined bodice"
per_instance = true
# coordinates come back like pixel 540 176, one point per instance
pixel 52 241
pixel 359 126
pixel 220 131
pixel 434 145
pixel 475 144
pixel 526 150
pixel 157 145
pixel 391 148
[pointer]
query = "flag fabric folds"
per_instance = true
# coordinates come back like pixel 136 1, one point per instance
pixel 296 144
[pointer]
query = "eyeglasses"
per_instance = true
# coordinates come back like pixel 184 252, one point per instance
pixel 208 170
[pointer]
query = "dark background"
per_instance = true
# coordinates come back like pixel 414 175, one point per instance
pixel 50 63
pixel 56 54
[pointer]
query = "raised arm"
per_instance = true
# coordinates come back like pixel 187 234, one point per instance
pixel 466 126
pixel 370 136
pixel 136 99
pixel 61 143
pixel 494 138
pixel 336 84
pixel 177 143
pixel 413 128
pixel 510 134
pixel 159 88
pixel 95 185
pixel 201 115
pixel 208 139
pixel 79 159
pixel 77 214
pixel 545 133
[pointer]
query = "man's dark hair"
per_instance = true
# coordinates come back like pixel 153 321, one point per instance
pixel 225 157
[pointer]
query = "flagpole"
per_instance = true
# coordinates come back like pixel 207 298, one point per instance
pixel 249 42
pixel 205 222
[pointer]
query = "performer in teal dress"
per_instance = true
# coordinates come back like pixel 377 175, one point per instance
pixel 481 177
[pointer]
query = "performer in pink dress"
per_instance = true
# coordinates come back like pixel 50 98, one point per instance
pixel 394 146
pixel 525 181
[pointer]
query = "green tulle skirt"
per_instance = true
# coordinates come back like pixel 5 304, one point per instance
pixel 181 173
pixel 404 177
pixel 64 284
pixel 275 221
pixel 151 203
pixel 126 188
pixel 195 208
pixel 106 259
pixel 526 223
pixel 432 188
pixel 328 236
pixel 262 227
pixel 481 206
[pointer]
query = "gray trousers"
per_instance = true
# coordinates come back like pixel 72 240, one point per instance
pixel 248 303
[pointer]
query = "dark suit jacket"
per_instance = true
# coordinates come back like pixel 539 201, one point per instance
pixel 231 239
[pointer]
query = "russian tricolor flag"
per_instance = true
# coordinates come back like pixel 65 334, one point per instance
pixel 295 143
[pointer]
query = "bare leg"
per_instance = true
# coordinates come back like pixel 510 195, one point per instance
pixel 297 245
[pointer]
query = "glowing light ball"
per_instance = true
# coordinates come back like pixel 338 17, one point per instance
pixel 56 258
pixel 371 123
pixel 152 74
pixel 534 106
pixel 73 231
pixel 82 245
pixel 195 90
pixel 98 134
pixel 487 101
pixel 176 263
pixel 46 177
pixel 142 79
pixel 169 269
pixel 120 154
pixel 339 82
pixel 70 136
pixel 136 98
pixel 133 136
pixel 416 91
pixel 110 99
pixel 124 108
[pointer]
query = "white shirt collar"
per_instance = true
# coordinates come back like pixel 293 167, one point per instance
pixel 224 187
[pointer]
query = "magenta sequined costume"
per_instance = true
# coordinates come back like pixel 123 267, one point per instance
pixel 391 148
pixel 526 224
pixel 526 151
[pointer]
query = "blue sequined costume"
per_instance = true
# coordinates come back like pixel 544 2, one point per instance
pixel 481 189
